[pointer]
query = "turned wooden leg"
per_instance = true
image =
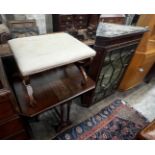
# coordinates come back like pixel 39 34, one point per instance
pixel 68 112
pixel 61 118
pixel 84 75
pixel 62 115
pixel 64 121
pixel 80 65
pixel 29 89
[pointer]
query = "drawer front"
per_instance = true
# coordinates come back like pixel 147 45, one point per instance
pixel 65 28
pixel 10 128
pixel 81 18
pixel 67 24
pixel 80 22
pixel 20 136
pixel 4 97
pixel 65 18
pixel 80 25
pixel 68 21
pixel 6 109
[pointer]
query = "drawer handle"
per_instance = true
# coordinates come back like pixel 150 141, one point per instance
pixel 141 69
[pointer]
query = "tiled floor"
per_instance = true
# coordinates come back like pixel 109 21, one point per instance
pixel 142 98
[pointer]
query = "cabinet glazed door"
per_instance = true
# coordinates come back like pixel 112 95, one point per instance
pixel 112 71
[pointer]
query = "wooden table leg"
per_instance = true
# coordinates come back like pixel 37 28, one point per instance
pixel 64 122
pixel 84 75
pixel 29 89
pixel 68 112
pixel 62 115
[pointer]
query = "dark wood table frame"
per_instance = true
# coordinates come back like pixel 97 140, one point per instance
pixel 53 88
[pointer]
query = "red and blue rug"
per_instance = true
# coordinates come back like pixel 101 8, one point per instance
pixel 115 122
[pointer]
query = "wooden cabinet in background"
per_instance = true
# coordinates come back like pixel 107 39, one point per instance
pixel 81 26
pixel 144 57
pixel 69 21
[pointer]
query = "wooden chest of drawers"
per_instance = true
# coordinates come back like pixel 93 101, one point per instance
pixel 11 125
pixel 81 26
pixel 66 22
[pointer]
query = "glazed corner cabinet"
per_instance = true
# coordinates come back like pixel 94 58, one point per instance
pixel 115 45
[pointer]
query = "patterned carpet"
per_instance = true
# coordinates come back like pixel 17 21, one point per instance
pixel 116 121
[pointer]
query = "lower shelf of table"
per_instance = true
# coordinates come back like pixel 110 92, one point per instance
pixel 52 88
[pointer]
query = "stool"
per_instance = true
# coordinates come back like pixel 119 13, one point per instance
pixel 51 72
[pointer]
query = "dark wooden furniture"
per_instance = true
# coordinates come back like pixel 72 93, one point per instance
pixel 144 56
pixel 11 125
pixel 115 46
pixel 81 26
pixel 52 89
pixel 65 22
pixel 148 133
pixel 56 78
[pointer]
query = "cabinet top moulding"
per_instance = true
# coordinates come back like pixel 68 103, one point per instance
pixel 110 34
